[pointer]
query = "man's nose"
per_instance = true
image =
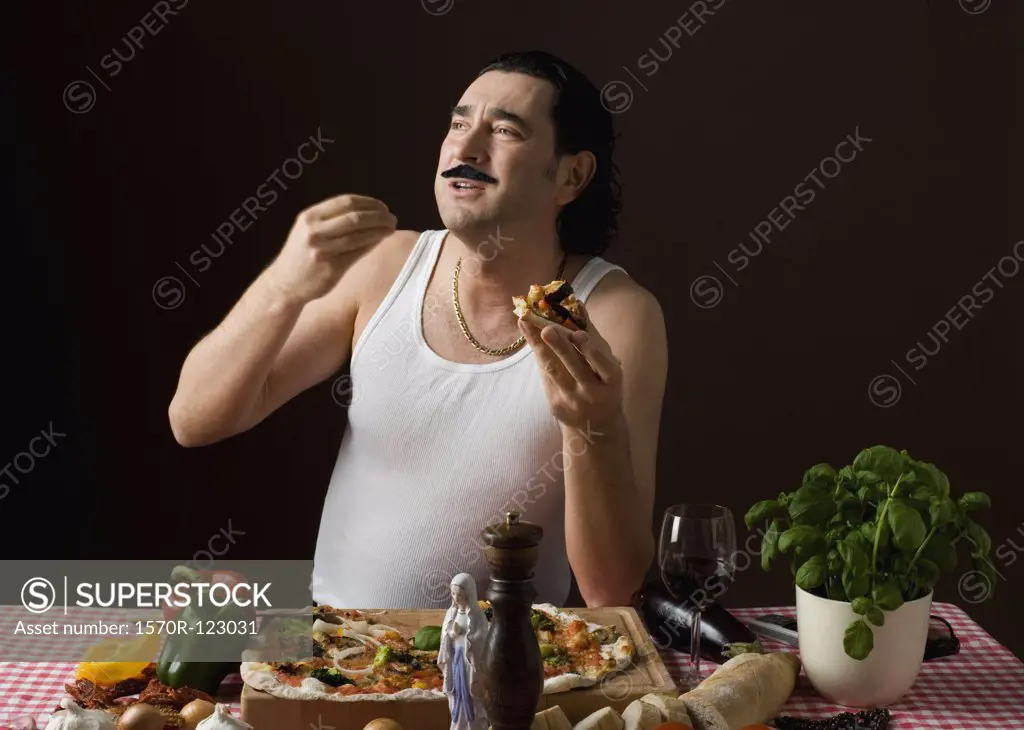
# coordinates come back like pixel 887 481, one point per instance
pixel 472 146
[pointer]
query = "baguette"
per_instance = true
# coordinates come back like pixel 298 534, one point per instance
pixel 671 708
pixel 604 719
pixel 552 718
pixel 641 716
pixel 747 690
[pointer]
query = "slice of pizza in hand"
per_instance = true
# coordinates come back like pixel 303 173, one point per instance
pixel 553 303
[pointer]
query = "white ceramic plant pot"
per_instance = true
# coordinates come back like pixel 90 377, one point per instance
pixel 888 672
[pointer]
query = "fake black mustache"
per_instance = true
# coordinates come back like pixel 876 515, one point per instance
pixel 468 172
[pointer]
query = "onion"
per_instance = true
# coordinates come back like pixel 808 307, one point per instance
pixel 351 651
pixel 383 723
pixel 195 712
pixel 385 627
pixel 141 716
pixel 357 672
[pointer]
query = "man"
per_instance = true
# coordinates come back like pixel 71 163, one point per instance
pixel 460 411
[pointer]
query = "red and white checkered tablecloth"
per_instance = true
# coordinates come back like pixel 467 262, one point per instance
pixel 981 688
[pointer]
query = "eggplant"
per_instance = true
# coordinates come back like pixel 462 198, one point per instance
pixel 668 621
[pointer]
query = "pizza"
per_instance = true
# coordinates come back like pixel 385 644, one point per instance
pixel 555 302
pixel 362 658
pixel 577 653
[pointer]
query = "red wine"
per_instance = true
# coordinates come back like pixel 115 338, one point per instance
pixel 696 580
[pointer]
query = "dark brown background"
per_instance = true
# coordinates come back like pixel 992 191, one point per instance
pixel 771 380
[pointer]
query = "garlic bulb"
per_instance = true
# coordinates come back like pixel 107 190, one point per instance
pixel 221 719
pixel 75 718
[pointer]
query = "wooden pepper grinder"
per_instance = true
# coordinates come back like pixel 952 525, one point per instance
pixel 513 675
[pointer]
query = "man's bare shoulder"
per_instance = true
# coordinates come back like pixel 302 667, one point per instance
pixel 619 302
pixel 378 268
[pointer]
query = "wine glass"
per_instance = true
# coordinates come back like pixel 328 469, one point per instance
pixel 698 543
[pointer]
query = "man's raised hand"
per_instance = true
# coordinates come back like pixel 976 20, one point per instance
pixel 326 239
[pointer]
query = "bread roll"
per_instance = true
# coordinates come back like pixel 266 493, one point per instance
pixel 641 716
pixel 604 719
pixel 552 718
pixel 671 708
pixel 746 690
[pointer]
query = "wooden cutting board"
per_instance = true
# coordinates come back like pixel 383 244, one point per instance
pixel 648 674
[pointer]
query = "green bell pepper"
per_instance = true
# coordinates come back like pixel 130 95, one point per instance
pixel 177 665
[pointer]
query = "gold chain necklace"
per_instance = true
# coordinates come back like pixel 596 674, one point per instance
pixel 462 320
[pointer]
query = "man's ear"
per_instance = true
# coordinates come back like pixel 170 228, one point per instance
pixel 576 171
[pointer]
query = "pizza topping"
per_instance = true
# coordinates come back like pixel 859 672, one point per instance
pixel 428 638
pixel 541 621
pixel 331 676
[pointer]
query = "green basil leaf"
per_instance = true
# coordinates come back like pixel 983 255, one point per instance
pixel 884 461
pixel 942 512
pixel 858 640
pixel 866 477
pixel 867 532
pixel 803 536
pixel 765 510
pixel 820 475
pixel 932 476
pixel 923 494
pixel 853 554
pixel 940 551
pixel 927 575
pixel 811 505
pixel 812 573
pixel 834 588
pixel 981 543
pixel 876 616
pixel 887 595
pixel 907 525
pixel 846 477
pixel 855 584
pixel 770 545
pixel 975 501
pixel 861 605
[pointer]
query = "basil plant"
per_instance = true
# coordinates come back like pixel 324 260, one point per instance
pixel 876 534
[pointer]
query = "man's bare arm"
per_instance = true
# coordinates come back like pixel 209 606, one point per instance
pixel 287 332
pixel 610 423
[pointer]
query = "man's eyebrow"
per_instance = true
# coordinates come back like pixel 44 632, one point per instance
pixel 465 110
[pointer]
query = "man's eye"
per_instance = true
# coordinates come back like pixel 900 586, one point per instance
pixel 507 131
pixel 456 124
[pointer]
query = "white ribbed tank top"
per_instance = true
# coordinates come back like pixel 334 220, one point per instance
pixel 434 451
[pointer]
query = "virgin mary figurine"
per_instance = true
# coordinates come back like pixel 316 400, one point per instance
pixel 461 655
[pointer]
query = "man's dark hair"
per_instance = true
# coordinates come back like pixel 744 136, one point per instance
pixel 589 223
